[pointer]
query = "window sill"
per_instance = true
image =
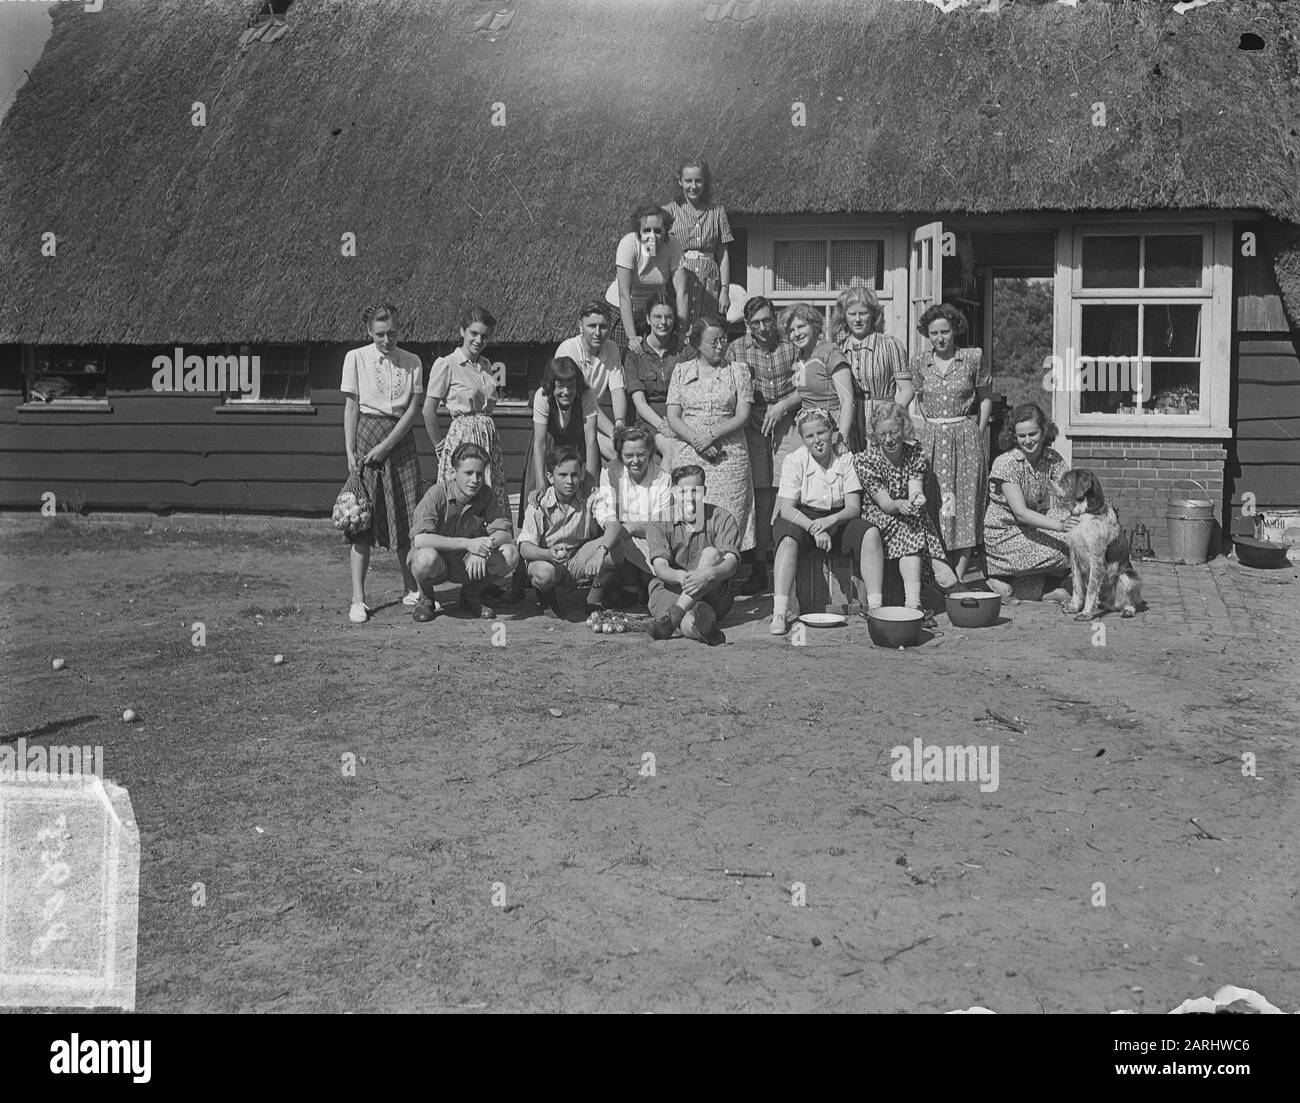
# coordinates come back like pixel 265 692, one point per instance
pixel 1158 426
pixel 68 405
pixel 301 408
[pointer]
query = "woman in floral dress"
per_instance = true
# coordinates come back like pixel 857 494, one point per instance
pixel 954 401
pixel 893 470
pixel 708 408
pixel 1026 520
pixel 700 227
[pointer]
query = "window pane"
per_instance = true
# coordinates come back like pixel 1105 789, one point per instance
pixel 1171 330
pixel 1173 260
pixel 1175 388
pixel 1110 347
pixel 1109 331
pixel 281 375
pixel 863 259
pixel 68 372
pixel 799 265
pixel 1110 261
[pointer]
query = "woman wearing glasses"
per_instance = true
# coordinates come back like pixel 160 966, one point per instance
pixel 649 264
pixel 893 471
pixel 709 400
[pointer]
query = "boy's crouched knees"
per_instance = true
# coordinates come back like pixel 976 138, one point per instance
pixel 426 563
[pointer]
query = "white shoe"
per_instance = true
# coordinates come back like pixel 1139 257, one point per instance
pixel 359 613
pixel 780 624
pixel 413 598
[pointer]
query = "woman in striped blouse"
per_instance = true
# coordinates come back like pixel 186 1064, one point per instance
pixel 878 362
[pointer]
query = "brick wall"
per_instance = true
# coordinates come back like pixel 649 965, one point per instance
pixel 1140 476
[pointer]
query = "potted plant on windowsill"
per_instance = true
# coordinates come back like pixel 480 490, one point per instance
pixel 1178 400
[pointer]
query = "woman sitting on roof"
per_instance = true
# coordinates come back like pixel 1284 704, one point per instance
pixel 649 263
pixel 700 227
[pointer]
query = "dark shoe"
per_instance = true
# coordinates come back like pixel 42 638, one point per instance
pixel 706 625
pixel 757 582
pixel 611 597
pixel 661 628
pixel 549 603
pixel 424 611
pixel 475 608
pixel 596 599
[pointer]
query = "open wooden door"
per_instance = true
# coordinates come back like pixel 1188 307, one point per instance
pixel 925 281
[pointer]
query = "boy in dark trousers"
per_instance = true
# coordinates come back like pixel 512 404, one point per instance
pixel 693 554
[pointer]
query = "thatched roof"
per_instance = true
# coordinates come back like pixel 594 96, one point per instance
pixel 373 117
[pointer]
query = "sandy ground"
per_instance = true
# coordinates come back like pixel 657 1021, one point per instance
pixel 328 892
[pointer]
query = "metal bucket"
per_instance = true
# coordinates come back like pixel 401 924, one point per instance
pixel 1190 524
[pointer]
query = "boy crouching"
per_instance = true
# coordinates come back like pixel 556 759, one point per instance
pixel 460 533
pixel 693 554
pixel 561 540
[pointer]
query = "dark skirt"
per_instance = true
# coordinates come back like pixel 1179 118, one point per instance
pixel 847 541
pixel 393 486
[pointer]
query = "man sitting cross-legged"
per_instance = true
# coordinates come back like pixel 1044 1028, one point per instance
pixel 693 553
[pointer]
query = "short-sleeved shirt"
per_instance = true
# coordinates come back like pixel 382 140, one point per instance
pixel 623 499
pixel 814 377
pixel 772 371
pixel 382 383
pixel 709 402
pixel 651 373
pixel 806 482
pixel 700 231
pixel 551 523
pixel 442 512
pixel 877 362
pixel 604 373
pixel 682 543
pixel 1036 481
pixel 878 472
pixel 542 406
pixel 651 276
pixel 948 388
pixel 466 387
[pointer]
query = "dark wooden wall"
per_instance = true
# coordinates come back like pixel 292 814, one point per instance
pixel 164 452
pixel 1264 456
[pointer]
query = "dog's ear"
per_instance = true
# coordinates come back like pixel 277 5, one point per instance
pixel 1092 488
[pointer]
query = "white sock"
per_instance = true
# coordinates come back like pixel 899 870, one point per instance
pixel 780 604
pixel 875 601
pixel 912 594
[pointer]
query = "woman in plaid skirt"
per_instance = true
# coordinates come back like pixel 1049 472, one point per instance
pixel 383 386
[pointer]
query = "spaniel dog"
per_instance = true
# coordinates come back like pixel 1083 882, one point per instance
pixel 1104 578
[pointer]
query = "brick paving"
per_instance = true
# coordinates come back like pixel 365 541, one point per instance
pixel 1221 596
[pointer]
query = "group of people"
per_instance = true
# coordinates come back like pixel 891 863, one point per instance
pixel 660 458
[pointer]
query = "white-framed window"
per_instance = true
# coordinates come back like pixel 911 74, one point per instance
pixel 814 263
pixel 1148 325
